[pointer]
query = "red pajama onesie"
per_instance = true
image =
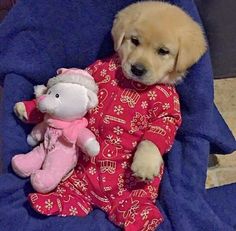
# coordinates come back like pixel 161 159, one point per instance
pixel 128 112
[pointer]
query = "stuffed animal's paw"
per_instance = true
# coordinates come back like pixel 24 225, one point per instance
pixel 20 111
pixel 92 147
pixel 31 141
pixel 20 167
pixel 147 161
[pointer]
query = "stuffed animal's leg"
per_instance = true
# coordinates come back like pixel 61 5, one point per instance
pixel 25 164
pixel 57 164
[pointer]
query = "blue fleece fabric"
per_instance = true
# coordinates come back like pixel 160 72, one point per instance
pixel 36 38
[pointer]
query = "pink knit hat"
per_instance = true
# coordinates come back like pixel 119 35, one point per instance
pixel 74 75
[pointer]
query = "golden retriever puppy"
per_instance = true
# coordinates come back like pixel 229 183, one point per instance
pixel 157 42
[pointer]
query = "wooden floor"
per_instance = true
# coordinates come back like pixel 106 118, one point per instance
pixel 225 99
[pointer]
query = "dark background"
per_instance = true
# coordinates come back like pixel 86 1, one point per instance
pixel 219 20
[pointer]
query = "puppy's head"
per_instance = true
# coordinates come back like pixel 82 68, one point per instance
pixel 157 42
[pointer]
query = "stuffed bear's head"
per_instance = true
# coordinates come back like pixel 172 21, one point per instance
pixel 67 96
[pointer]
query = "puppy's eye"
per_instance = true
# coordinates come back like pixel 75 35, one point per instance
pixel 49 92
pixel 163 51
pixel 57 95
pixel 135 41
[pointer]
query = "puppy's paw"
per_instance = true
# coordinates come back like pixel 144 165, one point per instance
pixel 147 161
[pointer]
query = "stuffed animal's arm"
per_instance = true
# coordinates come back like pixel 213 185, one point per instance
pixel 87 142
pixel 27 112
pixel 37 134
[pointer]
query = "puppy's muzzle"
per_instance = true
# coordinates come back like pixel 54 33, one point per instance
pixel 138 69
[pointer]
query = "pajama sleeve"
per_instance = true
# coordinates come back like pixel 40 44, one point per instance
pixel 164 119
pixel 33 114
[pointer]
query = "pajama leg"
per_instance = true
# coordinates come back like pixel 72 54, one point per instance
pixel 135 208
pixel 68 199
pixel 135 213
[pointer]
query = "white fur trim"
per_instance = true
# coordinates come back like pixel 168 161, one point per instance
pixel 83 80
pixel 39 90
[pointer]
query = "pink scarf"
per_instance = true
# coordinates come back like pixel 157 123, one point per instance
pixel 69 128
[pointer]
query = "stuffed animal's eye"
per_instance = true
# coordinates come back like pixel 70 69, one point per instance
pixel 49 92
pixel 135 41
pixel 163 51
pixel 57 95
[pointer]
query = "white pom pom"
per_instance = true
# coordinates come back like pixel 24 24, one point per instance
pixel 39 90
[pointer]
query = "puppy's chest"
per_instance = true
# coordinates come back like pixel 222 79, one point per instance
pixel 124 110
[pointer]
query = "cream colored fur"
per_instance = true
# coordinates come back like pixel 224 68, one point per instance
pixel 157 25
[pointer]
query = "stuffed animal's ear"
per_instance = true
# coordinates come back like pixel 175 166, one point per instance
pixel 93 99
pixel 40 90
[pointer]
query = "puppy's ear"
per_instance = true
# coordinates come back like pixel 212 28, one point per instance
pixel 123 21
pixel 118 31
pixel 192 46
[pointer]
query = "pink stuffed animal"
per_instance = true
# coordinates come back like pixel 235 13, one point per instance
pixel 65 101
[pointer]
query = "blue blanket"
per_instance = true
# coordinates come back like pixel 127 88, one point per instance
pixel 36 38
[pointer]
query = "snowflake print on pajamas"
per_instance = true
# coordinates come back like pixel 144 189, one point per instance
pixel 144 104
pixel 125 165
pixel 152 95
pixel 48 204
pixel 92 170
pixel 166 106
pixel 92 121
pixel 118 130
pixel 118 110
pixel 144 213
pixel 60 190
pixel 114 82
pixel 103 72
pixel 73 211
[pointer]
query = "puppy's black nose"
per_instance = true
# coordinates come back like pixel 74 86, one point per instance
pixel 138 69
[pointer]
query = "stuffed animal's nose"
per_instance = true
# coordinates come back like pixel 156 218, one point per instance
pixel 138 69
